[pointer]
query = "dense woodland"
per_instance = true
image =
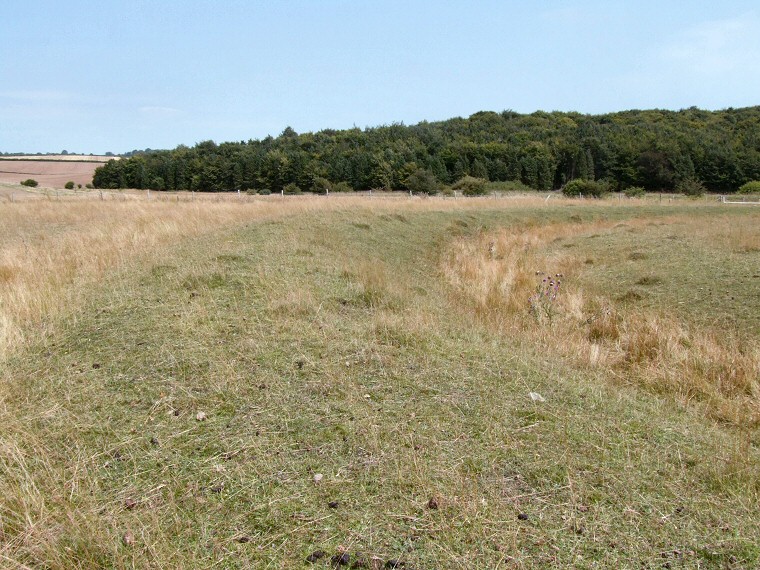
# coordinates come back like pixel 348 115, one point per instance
pixel 652 149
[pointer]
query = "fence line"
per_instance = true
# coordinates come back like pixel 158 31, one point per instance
pixel 724 201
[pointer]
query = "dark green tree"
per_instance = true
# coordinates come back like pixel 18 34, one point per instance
pixel 654 149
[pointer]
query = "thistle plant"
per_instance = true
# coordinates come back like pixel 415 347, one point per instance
pixel 544 298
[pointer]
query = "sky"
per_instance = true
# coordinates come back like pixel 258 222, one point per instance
pixel 114 75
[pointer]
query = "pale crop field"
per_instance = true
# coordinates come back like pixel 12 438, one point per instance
pixel 290 382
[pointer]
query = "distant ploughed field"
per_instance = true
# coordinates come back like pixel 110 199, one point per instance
pixel 50 170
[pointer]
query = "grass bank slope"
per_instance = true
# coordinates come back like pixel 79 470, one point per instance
pixel 315 385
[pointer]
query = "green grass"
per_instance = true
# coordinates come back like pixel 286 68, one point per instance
pixel 708 278
pixel 330 344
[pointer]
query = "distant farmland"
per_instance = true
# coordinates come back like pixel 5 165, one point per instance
pixel 51 171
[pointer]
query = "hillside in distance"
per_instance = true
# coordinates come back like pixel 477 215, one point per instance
pixel 654 149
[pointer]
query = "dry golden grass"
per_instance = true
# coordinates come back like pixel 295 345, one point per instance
pixel 496 275
pixel 732 236
pixel 325 342
pixel 50 250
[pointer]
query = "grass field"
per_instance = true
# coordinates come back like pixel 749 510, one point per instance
pixel 276 383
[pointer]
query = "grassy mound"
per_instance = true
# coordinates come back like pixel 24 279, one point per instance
pixel 368 385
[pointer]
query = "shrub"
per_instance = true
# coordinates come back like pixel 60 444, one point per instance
pixel 691 187
pixel 509 186
pixel 321 185
pixel 635 192
pixel 581 187
pixel 89 186
pixel 292 189
pixel 264 191
pixel 423 182
pixel 69 185
pixel 752 187
pixel 342 187
pixel 471 186
pixel 29 182
pixel 157 183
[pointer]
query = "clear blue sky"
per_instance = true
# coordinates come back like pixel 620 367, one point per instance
pixel 113 75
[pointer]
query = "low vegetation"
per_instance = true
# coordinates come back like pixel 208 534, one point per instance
pixel 691 187
pixel 579 188
pixel 599 300
pixel 635 192
pixel 422 181
pixel 752 187
pixel 471 186
pixel 292 189
pixel 300 382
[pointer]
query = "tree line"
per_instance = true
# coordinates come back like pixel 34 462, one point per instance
pixel 652 149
